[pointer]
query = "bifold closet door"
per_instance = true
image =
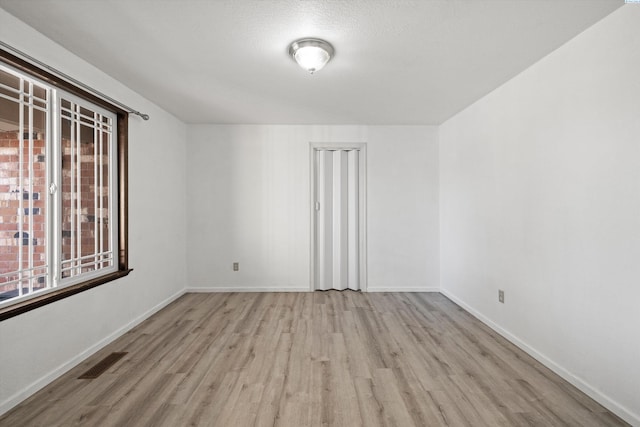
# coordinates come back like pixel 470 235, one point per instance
pixel 337 220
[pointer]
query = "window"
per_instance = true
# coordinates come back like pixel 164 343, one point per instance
pixel 63 205
pixel 86 144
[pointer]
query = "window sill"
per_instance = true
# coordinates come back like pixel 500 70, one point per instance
pixel 56 295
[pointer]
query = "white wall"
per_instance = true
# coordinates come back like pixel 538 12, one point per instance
pixel 540 196
pixel 37 346
pixel 249 201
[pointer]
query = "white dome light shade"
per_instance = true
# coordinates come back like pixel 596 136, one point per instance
pixel 311 58
pixel 311 54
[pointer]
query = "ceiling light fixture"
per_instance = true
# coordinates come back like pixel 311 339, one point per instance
pixel 311 54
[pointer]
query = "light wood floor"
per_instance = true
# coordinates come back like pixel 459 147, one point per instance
pixel 312 359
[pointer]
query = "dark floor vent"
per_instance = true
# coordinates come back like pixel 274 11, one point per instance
pixel 102 366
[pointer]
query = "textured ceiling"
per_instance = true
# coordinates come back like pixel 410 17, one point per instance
pixel 396 62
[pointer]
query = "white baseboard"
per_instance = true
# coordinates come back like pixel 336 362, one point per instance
pixel 60 370
pixel 579 383
pixel 243 289
pixel 405 289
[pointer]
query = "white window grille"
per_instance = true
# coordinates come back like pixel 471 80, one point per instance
pixel 58 183
pixel 87 157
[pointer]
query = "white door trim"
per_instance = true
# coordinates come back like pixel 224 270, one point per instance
pixel 362 201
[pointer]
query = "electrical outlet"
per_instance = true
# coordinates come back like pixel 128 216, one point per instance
pixel 501 296
pixel 236 266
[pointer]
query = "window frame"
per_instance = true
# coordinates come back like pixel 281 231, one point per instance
pixel 121 247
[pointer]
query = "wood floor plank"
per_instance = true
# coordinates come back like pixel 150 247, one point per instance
pixel 312 359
